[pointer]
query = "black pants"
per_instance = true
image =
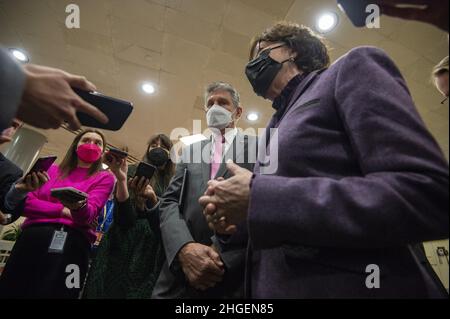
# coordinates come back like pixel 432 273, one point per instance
pixel 32 272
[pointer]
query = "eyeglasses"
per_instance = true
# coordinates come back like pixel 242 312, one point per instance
pixel 268 50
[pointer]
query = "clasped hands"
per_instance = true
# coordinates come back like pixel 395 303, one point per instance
pixel 225 202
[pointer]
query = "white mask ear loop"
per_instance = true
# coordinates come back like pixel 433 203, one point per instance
pixel 236 120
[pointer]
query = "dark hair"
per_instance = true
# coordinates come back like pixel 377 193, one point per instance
pixel 169 169
pixel 70 161
pixel 312 52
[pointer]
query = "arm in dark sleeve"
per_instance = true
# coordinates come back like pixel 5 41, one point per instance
pixel 12 83
pixel 9 174
pixel 232 249
pixel 174 230
pixel 153 216
pixel 125 214
pixel 403 195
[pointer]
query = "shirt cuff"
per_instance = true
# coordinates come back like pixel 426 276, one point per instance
pixel 149 207
pixel 14 197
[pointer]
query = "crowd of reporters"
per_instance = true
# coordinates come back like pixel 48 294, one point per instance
pixel 235 232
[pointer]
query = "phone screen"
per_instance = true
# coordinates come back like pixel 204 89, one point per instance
pixel 145 170
pixel 68 194
pixel 116 110
pixel 356 11
pixel 43 164
pixel 118 153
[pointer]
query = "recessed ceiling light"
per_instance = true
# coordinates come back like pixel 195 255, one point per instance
pixel 148 88
pixel 327 22
pixel 253 117
pixel 19 55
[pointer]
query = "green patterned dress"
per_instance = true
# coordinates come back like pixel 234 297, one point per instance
pixel 130 255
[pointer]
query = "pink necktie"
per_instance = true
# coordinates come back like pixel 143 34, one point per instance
pixel 217 157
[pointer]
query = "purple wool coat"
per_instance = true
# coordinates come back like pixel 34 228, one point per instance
pixel 360 179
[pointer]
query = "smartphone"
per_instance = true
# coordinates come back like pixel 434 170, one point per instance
pixel 118 153
pixel 145 170
pixel 42 164
pixel 355 10
pixel 68 194
pixel 116 110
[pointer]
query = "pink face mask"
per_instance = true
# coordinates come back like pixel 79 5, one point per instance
pixel 89 153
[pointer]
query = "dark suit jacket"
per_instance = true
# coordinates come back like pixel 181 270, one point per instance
pixel 12 82
pixel 9 173
pixel 359 179
pixel 181 226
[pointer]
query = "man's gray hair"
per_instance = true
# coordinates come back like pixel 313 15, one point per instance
pixel 223 86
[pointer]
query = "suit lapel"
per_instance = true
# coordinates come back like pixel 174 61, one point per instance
pixel 234 153
pixel 206 165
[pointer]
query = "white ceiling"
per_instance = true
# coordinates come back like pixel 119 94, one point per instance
pixel 182 45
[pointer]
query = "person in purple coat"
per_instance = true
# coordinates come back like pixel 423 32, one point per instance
pixel 356 181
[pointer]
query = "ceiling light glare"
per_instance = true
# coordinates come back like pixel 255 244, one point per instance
pixel 253 117
pixel 20 55
pixel 148 88
pixel 327 22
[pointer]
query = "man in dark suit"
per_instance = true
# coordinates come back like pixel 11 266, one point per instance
pixel 358 179
pixel 198 264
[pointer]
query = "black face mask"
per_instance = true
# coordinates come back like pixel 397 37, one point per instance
pixel 158 157
pixel 262 71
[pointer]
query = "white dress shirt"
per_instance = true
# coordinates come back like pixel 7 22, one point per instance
pixel 230 135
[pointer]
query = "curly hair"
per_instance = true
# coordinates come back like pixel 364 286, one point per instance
pixel 312 52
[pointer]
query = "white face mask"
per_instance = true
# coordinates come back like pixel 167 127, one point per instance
pixel 218 117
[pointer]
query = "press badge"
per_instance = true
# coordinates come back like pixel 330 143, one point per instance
pixel 58 241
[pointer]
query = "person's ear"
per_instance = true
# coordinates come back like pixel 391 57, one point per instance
pixel 292 54
pixel 239 111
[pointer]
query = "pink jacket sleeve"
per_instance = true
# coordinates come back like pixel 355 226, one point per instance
pixel 35 207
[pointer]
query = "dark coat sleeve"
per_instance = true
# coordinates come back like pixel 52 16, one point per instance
pixel 174 230
pixel 125 216
pixel 402 195
pixel 9 174
pixel 12 83
pixel 153 217
pixel 232 249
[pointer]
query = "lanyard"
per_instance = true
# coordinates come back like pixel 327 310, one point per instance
pixel 106 214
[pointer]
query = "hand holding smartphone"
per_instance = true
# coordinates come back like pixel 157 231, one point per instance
pixel 69 196
pixel 43 164
pixel 37 176
pixel 116 110
pixel 116 160
pixel 114 153
pixel 145 170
